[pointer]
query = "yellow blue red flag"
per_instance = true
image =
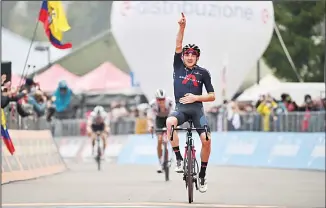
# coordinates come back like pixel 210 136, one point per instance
pixel 5 134
pixel 55 23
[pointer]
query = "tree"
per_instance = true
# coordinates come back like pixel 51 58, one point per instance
pixel 299 24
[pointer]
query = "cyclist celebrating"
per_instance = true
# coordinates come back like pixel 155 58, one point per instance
pixel 189 79
pixel 98 121
pixel 159 110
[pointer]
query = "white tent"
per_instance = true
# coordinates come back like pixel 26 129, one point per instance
pixel 267 84
pixel 275 88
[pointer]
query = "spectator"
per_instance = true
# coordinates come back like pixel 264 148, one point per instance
pixel 307 108
pixel 222 112
pixel 62 97
pixel 266 109
pixel 260 100
pixel 234 116
pixel 308 105
pixel 289 104
pixel 8 94
pixel 118 111
pixel 37 100
pixel 29 85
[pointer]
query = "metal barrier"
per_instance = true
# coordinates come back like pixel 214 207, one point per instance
pixel 290 122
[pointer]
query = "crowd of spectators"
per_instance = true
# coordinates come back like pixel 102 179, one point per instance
pixel 269 112
pixel 265 114
pixel 29 101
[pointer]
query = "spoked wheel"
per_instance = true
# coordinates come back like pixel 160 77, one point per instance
pixel 190 182
pixel 166 164
pixel 98 158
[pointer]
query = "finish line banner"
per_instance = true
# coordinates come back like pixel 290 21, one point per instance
pixel 250 149
pixel 36 155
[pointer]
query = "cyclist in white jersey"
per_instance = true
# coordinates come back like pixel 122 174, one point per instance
pixel 159 110
pixel 98 121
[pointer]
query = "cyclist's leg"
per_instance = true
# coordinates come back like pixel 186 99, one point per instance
pixel 92 136
pixel 104 136
pixel 199 120
pixel 176 118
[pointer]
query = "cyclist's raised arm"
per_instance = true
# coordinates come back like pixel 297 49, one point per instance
pixel 209 88
pixel 178 48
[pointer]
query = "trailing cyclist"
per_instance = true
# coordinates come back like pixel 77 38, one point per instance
pixel 189 79
pixel 160 108
pixel 98 121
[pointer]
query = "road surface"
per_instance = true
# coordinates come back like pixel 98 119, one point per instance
pixel 140 186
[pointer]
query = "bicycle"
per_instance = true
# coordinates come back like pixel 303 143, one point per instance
pixel 190 166
pixel 166 161
pixel 99 150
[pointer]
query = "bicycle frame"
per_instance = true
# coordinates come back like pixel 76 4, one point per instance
pixel 190 167
pixel 190 144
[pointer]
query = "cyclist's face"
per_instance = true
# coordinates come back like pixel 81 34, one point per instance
pixel 161 102
pixel 190 59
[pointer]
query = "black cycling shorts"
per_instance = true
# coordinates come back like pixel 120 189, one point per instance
pixel 160 122
pixel 98 127
pixel 193 111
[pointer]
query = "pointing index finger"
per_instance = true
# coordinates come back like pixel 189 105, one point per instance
pixel 182 14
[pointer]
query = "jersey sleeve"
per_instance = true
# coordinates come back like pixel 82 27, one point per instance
pixel 177 62
pixel 151 110
pixel 208 82
pixel 90 119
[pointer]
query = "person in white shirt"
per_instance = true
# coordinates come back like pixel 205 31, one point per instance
pixel 98 121
pixel 159 110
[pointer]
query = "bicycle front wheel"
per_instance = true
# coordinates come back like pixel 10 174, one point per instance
pixel 98 157
pixel 166 163
pixel 190 181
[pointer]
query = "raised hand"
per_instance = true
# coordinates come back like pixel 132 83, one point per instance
pixel 182 21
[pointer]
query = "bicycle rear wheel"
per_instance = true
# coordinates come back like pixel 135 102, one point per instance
pixel 190 182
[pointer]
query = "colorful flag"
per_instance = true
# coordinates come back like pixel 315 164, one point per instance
pixel 5 134
pixel 55 23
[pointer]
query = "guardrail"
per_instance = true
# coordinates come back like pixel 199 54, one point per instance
pixel 290 122
pixel 249 149
pixel 36 155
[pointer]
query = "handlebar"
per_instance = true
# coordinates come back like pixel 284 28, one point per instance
pixel 158 130
pixel 189 130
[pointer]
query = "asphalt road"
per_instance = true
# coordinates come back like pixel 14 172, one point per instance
pixel 140 186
